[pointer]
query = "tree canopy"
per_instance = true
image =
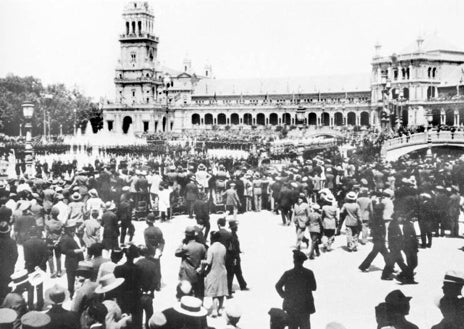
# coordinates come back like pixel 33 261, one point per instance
pixel 56 100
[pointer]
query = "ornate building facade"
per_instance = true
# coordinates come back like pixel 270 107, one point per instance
pixel 402 88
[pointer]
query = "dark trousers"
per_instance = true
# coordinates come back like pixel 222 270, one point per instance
pixel 396 257
pixel 127 228
pixel 146 303
pixel 235 269
pixel 426 233
pixel 166 215
pixel 71 277
pixel 40 297
pixel 298 320
pixel 412 261
pixel 189 206
pixel 285 213
pixel 378 247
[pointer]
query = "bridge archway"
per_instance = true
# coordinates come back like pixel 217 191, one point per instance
pixel 260 119
pixel 234 119
pixel 364 118
pixel 247 119
pixel 208 119
pixel 351 119
pixel 126 123
pixel 325 119
pixel 338 119
pixel 273 119
pixel 312 119
pixel 449 117
pixel 195 119
pixel 286 119
pixel 221 119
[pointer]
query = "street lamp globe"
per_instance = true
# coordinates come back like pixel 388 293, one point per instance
pixel 28 110
pixel 429 116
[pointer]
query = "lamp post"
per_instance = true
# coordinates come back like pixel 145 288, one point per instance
pixel 28 111
pixel 429 117
pixel 167 82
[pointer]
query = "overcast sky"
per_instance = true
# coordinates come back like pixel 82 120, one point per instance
pixel 76 41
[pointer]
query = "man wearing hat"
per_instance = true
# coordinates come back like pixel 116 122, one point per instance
pixel 24 223
pixel 191 195
pixel 84 288
pixel 232 200
pixel 351 215
pixel 296 287
pixel 454 210
pixel 35 320
pixel 233 261
pixel 453 282
pixel 192 253
pixel 8 258
pixel 110 227
pixel 7 318
pixel 35 255
pixel 70 246
pixel 278 318
pixel 125 217
pixel 59 317
pixel 398 307
pixel 76 213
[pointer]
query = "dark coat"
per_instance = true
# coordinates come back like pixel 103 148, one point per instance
pixel 68 247
pixel 35 254
pixel 405 241
pixel 131 288
pixel 110 230
pixel 62 319
pixel 8 258
pixel 296 287
pixel 191 253
pixel 22 227
pixel 191 192
pixel 285 198
pixel 153 239
pixel 125 212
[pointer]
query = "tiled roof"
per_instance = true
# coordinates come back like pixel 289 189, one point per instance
pixel 272 86
pixel 432 42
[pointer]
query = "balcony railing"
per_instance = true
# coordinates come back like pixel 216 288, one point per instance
pixel 138 36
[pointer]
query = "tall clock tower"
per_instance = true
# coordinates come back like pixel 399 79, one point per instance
pixel 137 75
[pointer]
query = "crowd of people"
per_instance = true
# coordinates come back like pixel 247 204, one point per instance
pixel 86 213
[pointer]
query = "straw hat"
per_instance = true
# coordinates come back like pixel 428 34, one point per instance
pixel 107 283
pixel 76 196
pixel 18 278
pixel 93 193
pixel 7 317
pixel 37 277
pixel 35 319
pixel 56 294
pixel 351 196
pixel 4 227
pixel 190 306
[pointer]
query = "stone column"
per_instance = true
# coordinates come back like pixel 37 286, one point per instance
pixel 442 117
pixel 456 117
pixel 318 118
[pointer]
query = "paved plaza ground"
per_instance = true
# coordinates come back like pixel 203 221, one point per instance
pixel 344 294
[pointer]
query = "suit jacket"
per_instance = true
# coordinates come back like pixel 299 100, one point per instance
pixel 191 191
pixel 153 239
pixel 62 319
pixel 405 240
pixel 8 258
pixel 191 253
pixel 35 254
pixel 68 245
pixel 110 225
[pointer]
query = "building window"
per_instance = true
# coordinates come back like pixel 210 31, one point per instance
pixel 133 57
pixel 133 92
pixel 110 125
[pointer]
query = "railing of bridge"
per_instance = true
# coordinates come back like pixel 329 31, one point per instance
pixel 434 137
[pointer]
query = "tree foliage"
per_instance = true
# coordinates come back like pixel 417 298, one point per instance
pixel 56 100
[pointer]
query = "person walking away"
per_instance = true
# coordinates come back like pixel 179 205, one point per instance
pixel 365 207
pixel 125 217
pixel 92 229
pixel 378 232
pixel 454 210
pixel 164 204
pixel 74 253
pixel 351 214
pixel 191 253
pixel 233 261
pixel 285 203
pixel 315 229
pixel 232 200
pixel 216 274
pixel 24 223
pixel 330 216
pixel 201 209
pixel 154 241
pixel 191 195
pixel 301 219
pixel 35 256
pixel 398 307
pixel 53 234
pixel 110 228
pixel 296 287
pixel 257 192
pixel 426 215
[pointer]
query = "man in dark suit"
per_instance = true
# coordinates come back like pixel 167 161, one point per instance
pixel 285 203
pixel 59 317
pixel 191 194
pixel 296 287
pixel 154 241
pixel 35 255
pixel 74 254
pixel 233 263
pixel 125 217
pixel 8 258
pixel 402 238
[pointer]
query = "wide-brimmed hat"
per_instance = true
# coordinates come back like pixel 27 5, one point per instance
pixel 7 317
pixel 37 277
pixel 76 196
pixel 24 205
pixel 107 283
pixel 35 319
pixel 191 306
pixel 4 227
pixel 456 277
pixel 396 297
pixel 93 193
pixel 18 278
pixel 110 205
pixel 157 320
pixel 389 193
pixel 85 269
pixel 190 230
pixel 56 294
pixel 126 188
pixel 201 166
pixel 351 196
